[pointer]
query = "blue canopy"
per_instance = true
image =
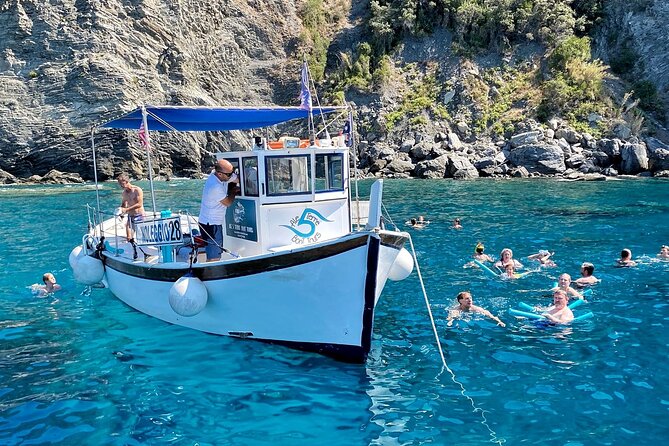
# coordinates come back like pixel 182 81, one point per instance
pixel 199 119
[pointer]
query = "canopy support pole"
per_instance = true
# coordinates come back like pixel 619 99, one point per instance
pixel 95 175
pixel 146 142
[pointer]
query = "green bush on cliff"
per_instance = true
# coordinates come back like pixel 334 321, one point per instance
pixel 315 20
pixel 420 101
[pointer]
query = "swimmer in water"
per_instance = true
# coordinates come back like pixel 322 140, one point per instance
pixel 50 285
pixel 587 277
pixel 456 224
pixel 480 255
pixel 509 271
pixel 564 284
pixel 625 260
pixel 466 305
pixel 544 258
pixel 664 253
pixel 505 257
pixel 559 313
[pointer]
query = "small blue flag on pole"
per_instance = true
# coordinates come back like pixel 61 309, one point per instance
pixel 305 94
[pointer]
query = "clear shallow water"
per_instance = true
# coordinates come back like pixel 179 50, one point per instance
pixel 87 369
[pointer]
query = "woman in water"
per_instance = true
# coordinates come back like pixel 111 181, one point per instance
pixel 505 257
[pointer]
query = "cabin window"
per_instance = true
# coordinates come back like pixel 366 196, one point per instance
pixel 329 172
pixel 250 173
pixel 288 175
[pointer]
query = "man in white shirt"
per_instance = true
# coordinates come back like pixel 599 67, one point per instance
pixel 216 197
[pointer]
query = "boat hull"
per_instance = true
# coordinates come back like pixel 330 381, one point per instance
pixel 319 298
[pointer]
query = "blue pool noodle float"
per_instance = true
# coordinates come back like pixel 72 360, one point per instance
pixel 486 269
pixel 526 314
pixel 525 306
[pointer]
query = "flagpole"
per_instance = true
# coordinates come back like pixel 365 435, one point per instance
pixel 147 145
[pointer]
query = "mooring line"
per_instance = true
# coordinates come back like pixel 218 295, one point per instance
pixel 463 392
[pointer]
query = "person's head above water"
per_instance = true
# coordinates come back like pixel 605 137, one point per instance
pixel 479 248
pixel 560 298
pixel 587 269
pixel 564 280
pixel 625 254
pixel 48 277
pixel 506 252
pixel 465 299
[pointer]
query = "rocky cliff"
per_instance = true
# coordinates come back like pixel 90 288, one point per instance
pixel 67 65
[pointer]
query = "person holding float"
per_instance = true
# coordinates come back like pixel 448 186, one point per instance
pixel 480 255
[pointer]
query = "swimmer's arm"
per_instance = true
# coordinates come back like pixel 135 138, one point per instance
pixel 487 313
pixel 452 314
pixel 575 293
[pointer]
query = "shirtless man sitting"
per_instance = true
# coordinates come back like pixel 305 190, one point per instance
pixel 466 305
pixel 132 204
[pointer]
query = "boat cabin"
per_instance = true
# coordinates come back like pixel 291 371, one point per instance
pixel 292 194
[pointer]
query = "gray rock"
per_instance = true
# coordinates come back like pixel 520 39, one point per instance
pixel 609 146
pixel 570 135
pixel 599 158
pixel 421 150
pixel 634 158
pixel 539 158
pixel 575 161
pixel 399 166
pixel 549 133
pixel 658 155
pixel 610 172
pixel 522 139
pixel 7 178
pixel 622 131
pixel 462 127
pixel 407 145
pixel 462 166
pixel 662 174
pixel 484 163
pixel 434 168
pixel 554 124
pixel 454 141
pixel 564 145
pixel 520 172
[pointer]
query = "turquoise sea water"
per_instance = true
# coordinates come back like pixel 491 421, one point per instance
pixel 85 369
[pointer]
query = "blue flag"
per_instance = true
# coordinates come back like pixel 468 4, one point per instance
pixel 305 94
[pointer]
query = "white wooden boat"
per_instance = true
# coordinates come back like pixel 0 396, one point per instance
pixel 300 268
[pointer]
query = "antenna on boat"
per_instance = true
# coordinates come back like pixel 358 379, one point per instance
pixel 146 142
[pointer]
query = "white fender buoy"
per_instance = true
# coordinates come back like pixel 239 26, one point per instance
pixel 75 255
pixel 402 266
pixel 88 270
pixel 188 296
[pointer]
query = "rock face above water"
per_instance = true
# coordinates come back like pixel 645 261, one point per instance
pixel 66 66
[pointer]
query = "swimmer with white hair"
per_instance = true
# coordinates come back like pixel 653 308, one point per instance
pixel 505 257
pixel 664 253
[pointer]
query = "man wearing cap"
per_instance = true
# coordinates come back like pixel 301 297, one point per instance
pixel 219 192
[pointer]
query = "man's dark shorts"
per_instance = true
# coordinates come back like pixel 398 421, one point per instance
pixel 213 235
